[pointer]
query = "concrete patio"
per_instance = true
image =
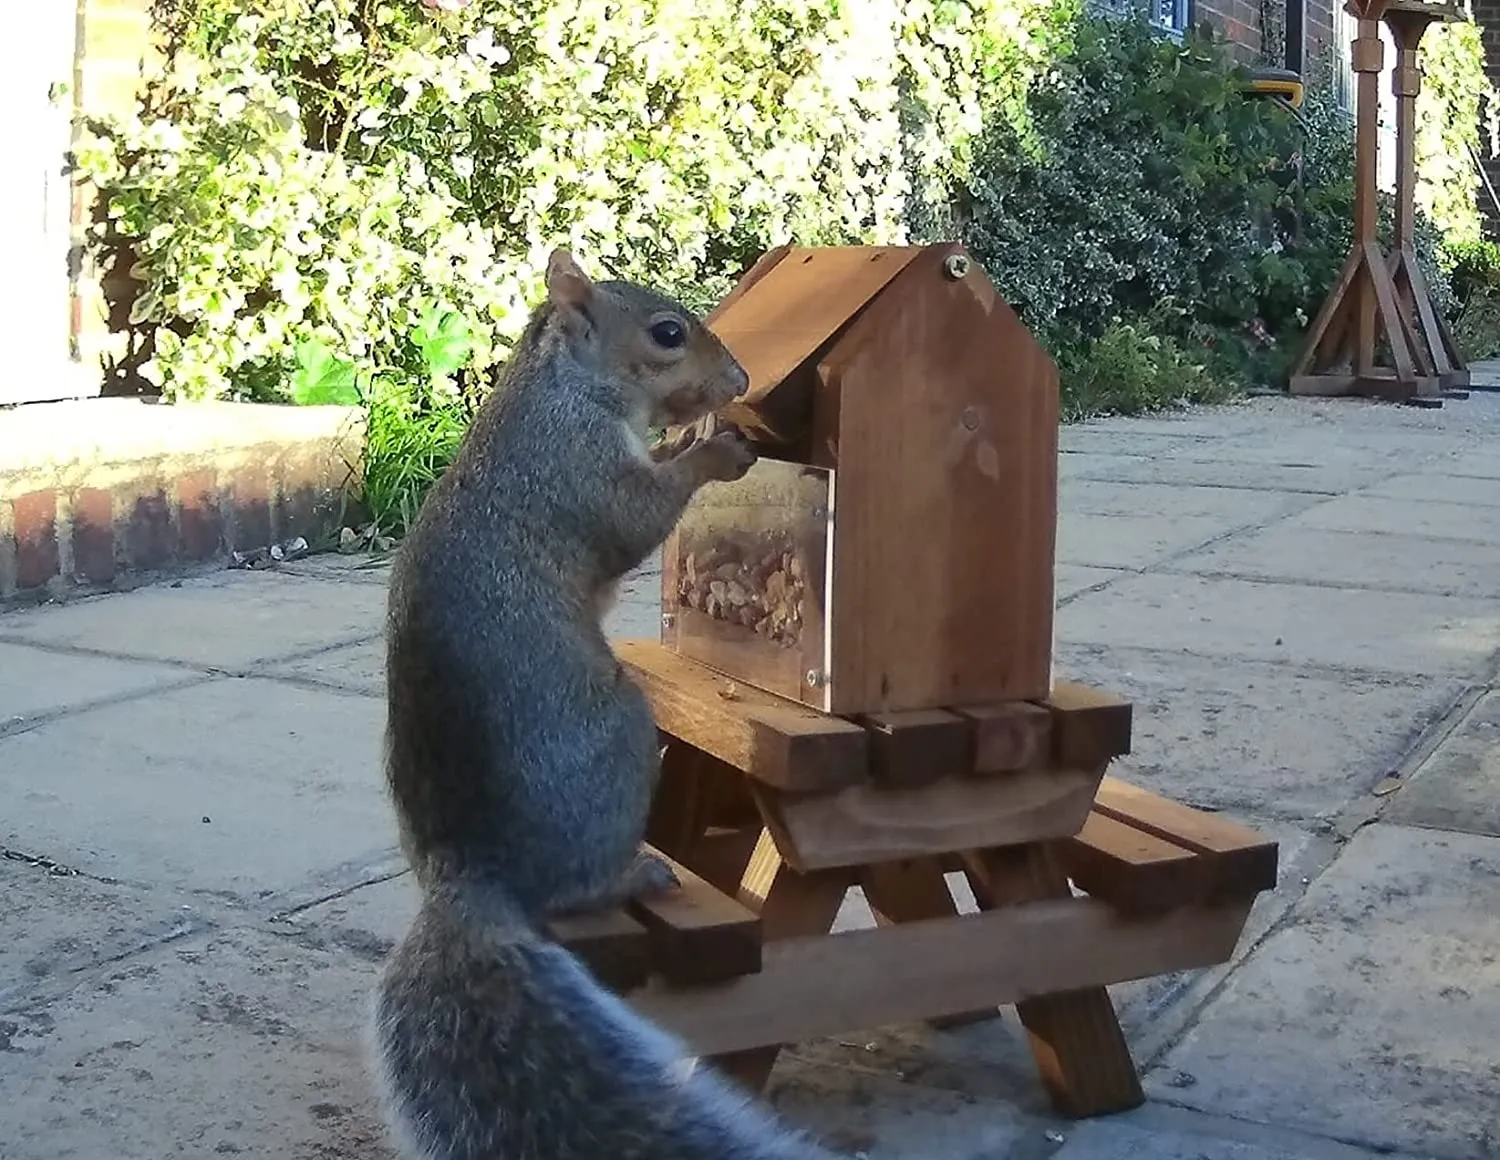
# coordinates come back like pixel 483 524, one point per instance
pixel 1302 599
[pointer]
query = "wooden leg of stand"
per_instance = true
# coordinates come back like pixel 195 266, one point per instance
pixel 790 905
pixel 908 892
pixel 1075 1036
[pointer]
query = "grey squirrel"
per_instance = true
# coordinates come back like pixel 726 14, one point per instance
pixel 516 745
pixel 521 757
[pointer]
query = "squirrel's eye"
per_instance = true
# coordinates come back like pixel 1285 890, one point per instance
pixel 668 333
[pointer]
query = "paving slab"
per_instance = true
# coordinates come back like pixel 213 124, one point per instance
pixel 244 788
pixel 1458 786
pixel 1371 1016
pixel 1479 462
pixel 56 924
pixel 236 1043
pixel 36 683
pixel 1440 487
pixel 230 620
pixel 1071 579
pixel 368 920
pixel 1132 541
pixel 1121 1139
pixel 1385 516
pixel 1300 478
pixel 360 668
pixel 1286 553
pixel 1392 631
pixel 1167 501
pixel 1099 438
pixel 1259 739
pixel 862 1111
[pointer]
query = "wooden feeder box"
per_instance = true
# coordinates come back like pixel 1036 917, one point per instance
pixel 893 549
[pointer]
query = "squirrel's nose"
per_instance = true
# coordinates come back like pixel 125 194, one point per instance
pixel 742 380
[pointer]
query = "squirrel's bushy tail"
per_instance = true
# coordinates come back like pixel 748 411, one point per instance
pixel 492 1043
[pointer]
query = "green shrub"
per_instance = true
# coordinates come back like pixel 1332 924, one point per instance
pixel 1131 367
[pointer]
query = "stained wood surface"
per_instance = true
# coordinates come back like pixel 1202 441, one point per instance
pixel 866 824
pixel 1010 736
pixel 771 738
pixel 1089 725
pixel 697 934
pixel 1243 861
pixel 856 980
pixel 1075 1035
pixel 946 492
pixel 777 322
pixel 611 944
pixel 919 746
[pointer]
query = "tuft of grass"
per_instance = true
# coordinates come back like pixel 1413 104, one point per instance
pixel 407 449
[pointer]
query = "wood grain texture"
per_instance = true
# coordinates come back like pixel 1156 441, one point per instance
pixel 910 892
pixel 1009 736
pixel 946 497
pixel 772 739
pixel 918 746
pixel 1089 726
pixel 858 980
pixel 866 824
pixel 614 946
pixel 697 934
pixel 1244 862
pixel 1074 1033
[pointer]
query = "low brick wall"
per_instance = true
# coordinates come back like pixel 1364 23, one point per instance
pixel 104 493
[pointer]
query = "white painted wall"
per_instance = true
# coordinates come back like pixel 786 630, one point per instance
pixel 36 105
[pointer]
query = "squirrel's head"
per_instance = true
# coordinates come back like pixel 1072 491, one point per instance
pixel 668 363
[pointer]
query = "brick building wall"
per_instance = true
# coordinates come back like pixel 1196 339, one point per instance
pixel 1487 16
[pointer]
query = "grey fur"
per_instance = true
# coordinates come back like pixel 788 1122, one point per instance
pixel 521 758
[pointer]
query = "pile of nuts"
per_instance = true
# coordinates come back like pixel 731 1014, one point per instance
pixel 759 586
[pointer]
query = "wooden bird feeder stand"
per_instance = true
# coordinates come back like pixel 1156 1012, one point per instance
pixel 854 688
pixel 1382 303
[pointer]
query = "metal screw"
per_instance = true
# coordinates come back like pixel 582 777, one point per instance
pixel 815 678
pixel 970 419
pixel 956 266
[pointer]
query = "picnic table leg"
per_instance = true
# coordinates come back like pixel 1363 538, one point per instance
pixel 790 905
pixel 908 892
pixel 1075 1036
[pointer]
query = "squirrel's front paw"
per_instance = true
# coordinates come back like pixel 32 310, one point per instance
pixel 649 874
pixel 728 455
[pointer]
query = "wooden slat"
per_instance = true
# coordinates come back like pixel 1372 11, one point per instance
pixel 1133 869
pixel 865 824
pixel 1244 861
pixel 611 943
pixel 857 980
pixel 772 739
pixel 696 934
pixel 918 746
pixel 1074 1033
pixel 1008 736
pixel 790 905
pixel 1089 726
pixel 910 892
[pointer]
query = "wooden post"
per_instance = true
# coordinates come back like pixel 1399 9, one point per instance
pixel 1375 298
pixel 1435 350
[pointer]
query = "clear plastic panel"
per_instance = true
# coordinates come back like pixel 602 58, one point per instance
pixel 744 584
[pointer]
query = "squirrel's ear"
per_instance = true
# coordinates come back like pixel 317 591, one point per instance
pixel 567 285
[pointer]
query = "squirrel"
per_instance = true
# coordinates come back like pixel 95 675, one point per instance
pixel 516 744
pixel 493 1043
pixel 522 758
